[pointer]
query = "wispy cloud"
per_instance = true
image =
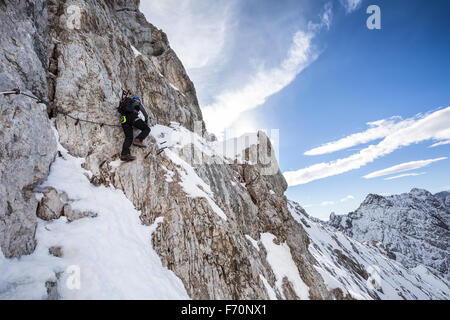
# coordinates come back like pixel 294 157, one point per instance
pixel 326 18
pixel 377 130
pixel 350 5
pixel 328 203
pixel 433 125
pixel 407 166
pixel 230 104
pixel 347 198
pixel 197 29
pixel 441 143
pixel 412 174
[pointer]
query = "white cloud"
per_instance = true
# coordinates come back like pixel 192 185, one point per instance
pixel 434 125
pixel 202 34
pixel 347 198
pixel 350 5
pixel 412 174
pixel 197 29
pixel 228 105
pixel 407 166
pixel 330 203
pixel 441 143
pixel 326 17
pixel 378 129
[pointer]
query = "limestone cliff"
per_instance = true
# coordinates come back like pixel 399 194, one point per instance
pixel 218 224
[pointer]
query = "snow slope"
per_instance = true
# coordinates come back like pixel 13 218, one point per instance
pixel 177 137
pixel 364 271
pixel 414 226
pixel 109 254
pixel 112 253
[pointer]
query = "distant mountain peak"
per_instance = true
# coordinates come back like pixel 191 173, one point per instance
pixel 414 226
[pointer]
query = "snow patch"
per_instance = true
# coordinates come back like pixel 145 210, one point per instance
pixel 393 280
pixel 280 259
pixel 253 242
pixel 113 252
pixel 136 52
pixel 270 291
pixel 176 137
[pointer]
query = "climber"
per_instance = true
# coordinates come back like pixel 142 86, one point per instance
pixel 134 115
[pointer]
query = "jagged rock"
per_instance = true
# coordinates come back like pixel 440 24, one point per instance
pixel 355 270
pixel 27 143
pixel 52 287
pixel 193 241
pixel 51 206
pixel 54 205
pixel 412 227
pixel 56 251
pixel 444 198
pixel 52 290
pixel 73 215
pixel 218 239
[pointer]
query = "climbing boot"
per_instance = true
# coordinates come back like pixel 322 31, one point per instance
pixel 127 157
pixel 139 143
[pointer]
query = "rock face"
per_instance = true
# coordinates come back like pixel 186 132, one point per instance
pixel 444 198
pixel 355 270
pixel 27 143
pixel 412 226
pixel 219 224
pixel 89 58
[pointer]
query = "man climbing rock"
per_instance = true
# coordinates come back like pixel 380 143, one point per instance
pixel 132 112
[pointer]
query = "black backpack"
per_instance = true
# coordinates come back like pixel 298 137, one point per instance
pixel 125 102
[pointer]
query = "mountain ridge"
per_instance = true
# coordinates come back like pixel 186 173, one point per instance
pixel 413 226
pixel 188 223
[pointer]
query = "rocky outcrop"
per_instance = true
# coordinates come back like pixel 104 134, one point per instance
pixel 203 239
pixel 414 227
pixel 54 205
pixel 356 270
pixel 27 143
pixel 220 224
pixel 212 257
pixel 444 198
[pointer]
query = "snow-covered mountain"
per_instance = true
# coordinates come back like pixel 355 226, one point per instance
pixel 358 270
pixel 194 222
pixel 414 227
pixel 444 197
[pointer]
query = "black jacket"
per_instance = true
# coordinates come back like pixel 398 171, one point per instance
pixel 135 107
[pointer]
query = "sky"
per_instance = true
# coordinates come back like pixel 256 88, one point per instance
pixel 358 111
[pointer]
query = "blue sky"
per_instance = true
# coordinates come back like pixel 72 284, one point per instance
pixel 313 70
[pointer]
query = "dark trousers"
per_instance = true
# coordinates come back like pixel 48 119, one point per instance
pixel 128 130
